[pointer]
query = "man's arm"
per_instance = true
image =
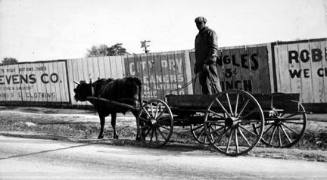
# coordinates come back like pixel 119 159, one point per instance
pixel 213 48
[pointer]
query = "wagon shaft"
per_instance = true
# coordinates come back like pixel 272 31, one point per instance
pixel 110 103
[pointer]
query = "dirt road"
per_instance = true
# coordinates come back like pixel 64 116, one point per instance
pixel 47 159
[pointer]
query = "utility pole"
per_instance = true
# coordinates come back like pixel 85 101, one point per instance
pixel 145 45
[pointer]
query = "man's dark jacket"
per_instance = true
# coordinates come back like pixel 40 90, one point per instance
pixel 206 48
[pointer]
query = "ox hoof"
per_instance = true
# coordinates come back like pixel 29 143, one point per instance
pixel 140 139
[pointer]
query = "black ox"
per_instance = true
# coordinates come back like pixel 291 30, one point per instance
pixel 126 90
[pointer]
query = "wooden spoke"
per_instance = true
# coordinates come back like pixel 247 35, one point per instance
pixel 162 134
pixel 287 137
pixel 147 132
pixel 211 128
pixel 151 135
pixel 161 113
pixel 229 104
pixel 272 135
pixel 217 123
pixel 156 112
pixel 217 114
pixel 236 141
pixel 201 133
pixel 219 139
pixel 236 104
pixel 290 129
pixel 156 134
pixel 221 135
pixel 268 129
pixel 279 137
pixel 165 133
pixel 216 130
pixel 165 128
pixel 198 127
pixel 281 114
pixel 248 131
pixel 217 100
pixel 151 111
pixel 229 140
pixel 245 139
pixel 289 116
pixel 243 107
pixel 146 111
pixel 205 139
pixel 143 119
pixel 251 112
pixel 249 122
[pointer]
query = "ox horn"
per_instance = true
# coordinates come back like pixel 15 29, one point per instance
pixel 76 82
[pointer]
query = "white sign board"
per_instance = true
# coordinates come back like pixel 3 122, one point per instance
pixel 301 67
pixel 35 82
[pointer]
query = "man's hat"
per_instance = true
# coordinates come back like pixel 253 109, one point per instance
pixel 200 19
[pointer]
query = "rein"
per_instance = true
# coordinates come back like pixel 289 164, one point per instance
pixel 193 80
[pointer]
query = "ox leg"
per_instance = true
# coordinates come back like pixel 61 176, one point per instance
pixel 113 124
pixel 138 135
pixel 102 122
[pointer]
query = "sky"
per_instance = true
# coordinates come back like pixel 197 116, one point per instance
pixel 32 30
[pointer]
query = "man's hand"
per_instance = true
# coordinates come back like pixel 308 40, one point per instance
pixel 205 68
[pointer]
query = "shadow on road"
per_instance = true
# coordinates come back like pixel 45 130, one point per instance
pixel 46 151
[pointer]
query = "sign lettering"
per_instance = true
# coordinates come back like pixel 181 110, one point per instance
pixel 160 74
pixel 315 55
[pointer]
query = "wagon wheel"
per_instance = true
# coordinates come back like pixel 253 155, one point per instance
pixel 234 122
pixel 155 123
pixel 285 129
pixel 199 133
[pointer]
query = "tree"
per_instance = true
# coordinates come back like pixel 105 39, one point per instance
pixel 9 60
pixel 103 50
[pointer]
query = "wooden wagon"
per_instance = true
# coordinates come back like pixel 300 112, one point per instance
pixel 232 122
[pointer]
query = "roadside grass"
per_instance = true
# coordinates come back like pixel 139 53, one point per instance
pixel 83 125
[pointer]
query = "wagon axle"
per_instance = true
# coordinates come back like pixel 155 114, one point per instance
pixel 153 121
pixel 232 122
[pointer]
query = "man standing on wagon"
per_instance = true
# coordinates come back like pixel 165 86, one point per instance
pixel 206 52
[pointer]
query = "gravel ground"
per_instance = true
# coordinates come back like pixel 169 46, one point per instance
pixel 83 125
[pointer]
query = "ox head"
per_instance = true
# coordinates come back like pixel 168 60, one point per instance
pixel 82 91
